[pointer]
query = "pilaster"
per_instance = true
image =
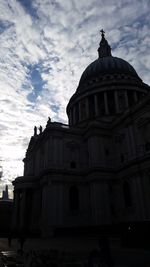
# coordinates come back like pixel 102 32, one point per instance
pixel 96 105
pixel 106 103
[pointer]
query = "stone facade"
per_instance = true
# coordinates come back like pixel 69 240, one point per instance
pixel 95 170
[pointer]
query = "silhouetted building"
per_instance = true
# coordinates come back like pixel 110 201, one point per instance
pixel 96 170
pixel 6 206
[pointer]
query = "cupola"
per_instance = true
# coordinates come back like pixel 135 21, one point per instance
pixel 107 87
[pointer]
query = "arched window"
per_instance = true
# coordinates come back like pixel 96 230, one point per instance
pixel 74 198
pixel 127 194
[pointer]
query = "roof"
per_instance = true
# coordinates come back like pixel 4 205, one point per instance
pixel 107 65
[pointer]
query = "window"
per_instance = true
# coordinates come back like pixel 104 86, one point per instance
pixel 74 198
pixel 127 194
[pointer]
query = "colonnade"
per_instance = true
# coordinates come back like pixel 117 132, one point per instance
pixel 103 103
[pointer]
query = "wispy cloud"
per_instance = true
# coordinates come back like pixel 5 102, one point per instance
pixel 45 46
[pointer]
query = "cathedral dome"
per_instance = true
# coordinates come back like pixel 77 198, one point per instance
pixel 108 87
pixel 107 65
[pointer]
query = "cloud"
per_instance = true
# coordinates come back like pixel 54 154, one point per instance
pixel 45 46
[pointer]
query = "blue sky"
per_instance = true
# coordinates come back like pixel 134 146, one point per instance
pixel 44 48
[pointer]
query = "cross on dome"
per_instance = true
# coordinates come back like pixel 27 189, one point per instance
pixel 102 33
pixel 104 49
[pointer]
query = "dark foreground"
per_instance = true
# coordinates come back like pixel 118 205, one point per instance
pixel 122 257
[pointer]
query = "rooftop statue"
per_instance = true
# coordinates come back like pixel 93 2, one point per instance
pixel 48 122
pixel 40 129
pixel 35 131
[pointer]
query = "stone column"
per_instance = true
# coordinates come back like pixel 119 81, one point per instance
pixel 106 103
pixel 80 111
pixel 87 107
pixel 116 101
pixel 126 99
pixel 96 105
pixel 135 97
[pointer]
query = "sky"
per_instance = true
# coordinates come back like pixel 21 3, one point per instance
pixel 44 48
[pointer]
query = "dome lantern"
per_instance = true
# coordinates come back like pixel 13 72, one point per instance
pixel 104 49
